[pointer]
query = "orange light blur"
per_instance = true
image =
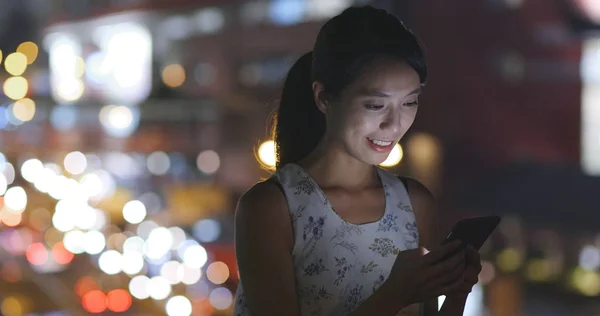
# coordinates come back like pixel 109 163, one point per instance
pixel 94 301
pixel 84 285
pixel 119 300
pixel 202 307
pixel 37 254
pixel 60 254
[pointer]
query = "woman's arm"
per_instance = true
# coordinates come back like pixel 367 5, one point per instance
pixel 263 246
pixel 425 210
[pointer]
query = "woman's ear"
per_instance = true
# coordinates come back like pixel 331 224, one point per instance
pixel 320 96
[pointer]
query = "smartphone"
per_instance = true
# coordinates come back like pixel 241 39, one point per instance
pixel 473 231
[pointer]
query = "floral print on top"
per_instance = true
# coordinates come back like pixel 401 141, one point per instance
pixel 339 264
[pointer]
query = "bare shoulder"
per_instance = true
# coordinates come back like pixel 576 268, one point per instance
pixel 263 206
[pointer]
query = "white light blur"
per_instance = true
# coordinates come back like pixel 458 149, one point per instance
pixel 590 106
pixel 188 275
pixel 589 258
pixel 158 244
pixel 60 187
pixel 475 302
pixel 119 120
pixel 74 241
pixel 65 213
pixel 93 243
pixel 134 212
pixel 101 220
pixel 126 61
pixel 195 257
pixel 221 298
pixel 64 51
pixel 158 163
pixel 15 199
pixel 122 165
pixel 132 263
pixel 209 20
pixel 45 179
pixel 159 288
pixel 110 262
pixel 178 236
pixel 3 184
pixel 206 230
pixel 138 287
pixel 325 9
pixel 99 191
pixel 178 306
pixel 85 217
pixel 75 162
pixel 134 244
pixel 184 246
pixel 31 169
pixel 175 27
pixel 208 161
pixel 9 172
pixel 170 271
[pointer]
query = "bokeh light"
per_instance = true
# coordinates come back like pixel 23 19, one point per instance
pixel 159 288
pixel 138 287
pixel 75 162
pixel 24 109
pixel 16 87
pixel 208 161
pixel 217 272
pixel 30 50
pixel 178 306
pixel 94 302
pixel 37 254
pixel 221 298
pixel 134 212
pixel 118 300
pixel 15 63
pixel 394 157
pixel 15 199
pixel 173 75
pixel 267 154
pixel 206 230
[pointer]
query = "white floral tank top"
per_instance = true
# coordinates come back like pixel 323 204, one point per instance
pixel 339 264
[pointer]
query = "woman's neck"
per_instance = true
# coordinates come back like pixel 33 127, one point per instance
pixel 331 167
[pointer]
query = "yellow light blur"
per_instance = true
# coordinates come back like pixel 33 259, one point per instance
pixel 585 281
pixel 11 306
pixel 15 64
pixel 509 260
pixel 267 154
pixel 24 109
pixel 173 75
pixel 16 87
pixel 0 56
pixel 394 158
pixel 30 50
pixel 539 270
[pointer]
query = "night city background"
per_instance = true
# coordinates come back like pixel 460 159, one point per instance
pixel 130 128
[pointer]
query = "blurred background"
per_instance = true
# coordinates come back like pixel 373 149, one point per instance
pixel 128 130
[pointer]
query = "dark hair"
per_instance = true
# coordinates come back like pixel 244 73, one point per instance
pixel 344 45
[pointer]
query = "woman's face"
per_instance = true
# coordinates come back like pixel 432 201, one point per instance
pixel 371 115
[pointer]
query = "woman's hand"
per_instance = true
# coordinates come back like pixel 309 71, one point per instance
pixel 471 273
pixel 418 275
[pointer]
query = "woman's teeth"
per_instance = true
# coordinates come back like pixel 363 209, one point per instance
pixel 379 142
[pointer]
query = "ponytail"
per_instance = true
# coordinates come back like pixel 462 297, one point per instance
pixel 299 125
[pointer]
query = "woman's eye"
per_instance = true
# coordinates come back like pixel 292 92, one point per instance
pixel 374 107
pixel 411 104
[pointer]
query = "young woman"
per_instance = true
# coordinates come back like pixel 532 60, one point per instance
pixel 330 233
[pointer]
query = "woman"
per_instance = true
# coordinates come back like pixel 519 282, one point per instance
pixel 330 233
